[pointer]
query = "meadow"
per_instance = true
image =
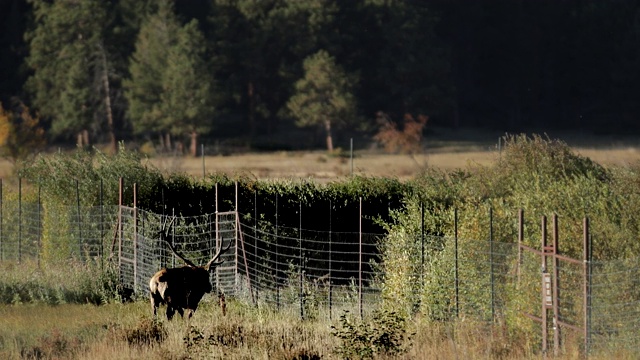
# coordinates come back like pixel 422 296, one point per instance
pixel 127 331
pixel 42 330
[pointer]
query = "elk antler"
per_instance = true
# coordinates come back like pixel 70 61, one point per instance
pixel 214 261
pixel 164 234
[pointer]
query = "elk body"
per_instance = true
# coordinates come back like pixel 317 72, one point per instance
pixel 182 288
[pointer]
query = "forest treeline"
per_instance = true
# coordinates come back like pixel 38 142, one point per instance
pixel 176 72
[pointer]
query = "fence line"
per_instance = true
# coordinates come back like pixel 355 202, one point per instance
pixel 317 273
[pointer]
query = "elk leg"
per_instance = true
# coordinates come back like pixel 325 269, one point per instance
pixel 170 312
pixel 154 307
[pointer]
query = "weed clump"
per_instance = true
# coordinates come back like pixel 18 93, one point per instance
pixel 55 345
pixel 385 334
pixel 146 332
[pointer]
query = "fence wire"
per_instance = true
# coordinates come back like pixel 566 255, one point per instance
pixel 322 273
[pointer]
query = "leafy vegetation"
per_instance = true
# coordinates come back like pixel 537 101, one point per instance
pixel 539 175
pixel 385 334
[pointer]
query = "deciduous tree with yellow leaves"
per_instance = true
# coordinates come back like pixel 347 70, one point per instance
pixel 21 135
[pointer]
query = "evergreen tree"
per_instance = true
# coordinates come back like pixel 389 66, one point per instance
pixel 185 101
pixel 69 66
pixel 261 45
pixel 323 97
pixel 144 87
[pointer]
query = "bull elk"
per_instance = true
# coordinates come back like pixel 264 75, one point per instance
pixel 181 288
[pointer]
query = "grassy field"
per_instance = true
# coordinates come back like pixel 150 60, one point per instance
pixel 126 331
pixel 322 167
pixel 445 149
pixel 448 151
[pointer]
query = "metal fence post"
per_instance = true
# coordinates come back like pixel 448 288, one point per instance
pixel 422 243
pixel 277 267
pixel 456 280
pixel 237 272
pixel 587 286
pixel 19 220
pixel 556 288
pixel 491 276
pixel 330 264
pixel 39 250
pixel 360 260
pixel 1 222
pixel 101 249
pixel 173 236
pixel 301 260
pixel 520 241
pixel 542 288
pixel 255 243
pixel 218 245
pixel 120 190
pixel 135 237
pixel 80 242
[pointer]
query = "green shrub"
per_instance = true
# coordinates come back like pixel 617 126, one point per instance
pixel 385 334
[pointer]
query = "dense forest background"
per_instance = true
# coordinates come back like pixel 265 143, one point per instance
pixel 103 71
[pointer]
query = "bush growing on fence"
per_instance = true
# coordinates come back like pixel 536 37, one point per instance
pixel 73 283
pixel 538 175
pixel 385 334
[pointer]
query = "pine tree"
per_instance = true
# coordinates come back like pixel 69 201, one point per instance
pixel 323 97
pixel 69 66
pixel 144 87
pixel 186 97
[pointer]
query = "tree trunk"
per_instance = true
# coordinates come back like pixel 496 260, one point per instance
pixel 167 142
pixel 85 136
pixel 107 104
pixel 252 109
pixel 82 138
pixel 327 127
pixel 193 147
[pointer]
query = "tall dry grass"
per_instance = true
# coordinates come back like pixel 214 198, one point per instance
pixel 126 331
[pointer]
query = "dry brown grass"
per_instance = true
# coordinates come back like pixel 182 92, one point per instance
pixel 323 168
pixel 112 331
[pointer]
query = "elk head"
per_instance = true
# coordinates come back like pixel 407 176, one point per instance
pixel 181 288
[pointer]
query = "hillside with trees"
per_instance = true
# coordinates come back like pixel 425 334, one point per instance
pixel 176 74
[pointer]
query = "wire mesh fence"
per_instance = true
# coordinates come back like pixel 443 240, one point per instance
pixel 321 273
